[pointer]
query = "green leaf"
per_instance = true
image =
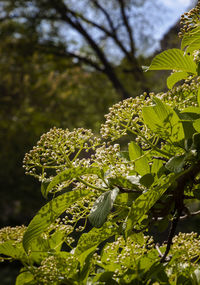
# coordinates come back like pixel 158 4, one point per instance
pixel 195 110
pixel 40 247
pixel 102 208
pixel 198 97
pixel 56 240
pixel 44 186
pixel 163 120
pixel 145 201
pixel 175 77
pixel 49 213
pixel 130 182
pixel 190 38
pixel 69 174
pixel 85 262
pixel 157 164
pixel 15 251
pixel 95 236
pixel 176 163
pixel 105 277
pixel 24 278
pixel 126 199
pixel 195 45
pixel 147 180
pixel 196 125
pixel 141 165
pixel 173 59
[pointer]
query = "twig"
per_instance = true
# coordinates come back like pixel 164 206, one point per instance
pixel 190 215
pixel 170 237
pixel 158 249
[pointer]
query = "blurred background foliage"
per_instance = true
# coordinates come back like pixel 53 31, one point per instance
pixel 45 83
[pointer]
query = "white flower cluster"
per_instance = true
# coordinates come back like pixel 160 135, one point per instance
pixel 57 150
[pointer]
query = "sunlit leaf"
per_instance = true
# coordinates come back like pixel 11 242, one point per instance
pixel 15 251
pixel 95 237
pixel 163 120
pixel 195 110
pixel 24 278
pixel 175 77
pixel 190 38
pixel 196 125
pixel 69 174
pixel 85 262
pixel 141 165
pixel 145 201
pixel 49 213
pixel 173 59
pixel 198 97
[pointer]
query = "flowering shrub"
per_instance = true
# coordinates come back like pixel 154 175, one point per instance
pixel 102 198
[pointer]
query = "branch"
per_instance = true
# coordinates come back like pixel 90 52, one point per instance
pixel 126 24
pixel 188 175
pixel 112 34
pixel 170 237
pixel 110 22
pixel 63 53
pixel 61 8
pixel 190 215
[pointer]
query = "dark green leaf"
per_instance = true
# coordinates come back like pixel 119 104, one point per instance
pixel 147 180
pixel 125 155
pixel 126 198
pixel 176 163
pixel 102 207
pixel 196 193
pixel 105 277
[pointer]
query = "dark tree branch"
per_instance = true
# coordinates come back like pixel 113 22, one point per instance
pixel 138 70
pixel 61 8
pixel 110 22
pixel 126 24
pixel 170 237
pixel 178 193
pixel 112 34
pixel 64 53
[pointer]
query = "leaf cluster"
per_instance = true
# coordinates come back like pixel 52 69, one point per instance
pixel 112 197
